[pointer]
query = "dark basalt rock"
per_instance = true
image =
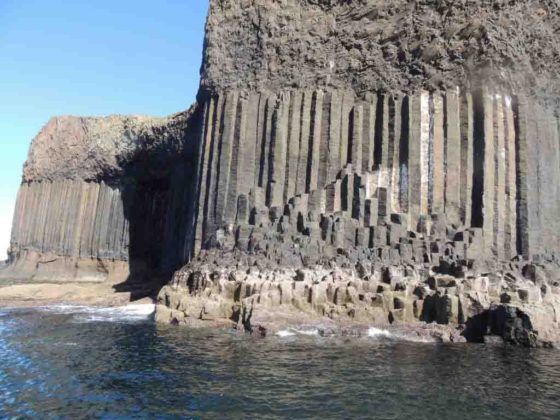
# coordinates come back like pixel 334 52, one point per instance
pixel 351 161
pixel 96 201
pixel 371 45
pixel 509 323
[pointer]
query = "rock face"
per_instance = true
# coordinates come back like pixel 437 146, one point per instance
pixel 361 162
pixel 377 45
pixel 375 162
pixel 106 149
pixel 98 200
pixel 280 280
pixel 471 162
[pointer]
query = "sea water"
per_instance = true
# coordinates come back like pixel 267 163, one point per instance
pixel 76 362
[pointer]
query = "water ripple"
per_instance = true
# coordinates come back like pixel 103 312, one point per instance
pixel 82 362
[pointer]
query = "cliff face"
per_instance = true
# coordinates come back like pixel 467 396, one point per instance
pixel 104 199
pixel 294 92
pixel 477 158
pixel 364 162
pixel 376 162
pixel 106 149
pixel 373 45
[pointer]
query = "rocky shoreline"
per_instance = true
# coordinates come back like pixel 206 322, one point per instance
pixel 448 302
pixel 29 294
pixel 346 164
pixel 330 303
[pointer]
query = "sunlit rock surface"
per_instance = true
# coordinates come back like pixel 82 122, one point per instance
pixel 359 162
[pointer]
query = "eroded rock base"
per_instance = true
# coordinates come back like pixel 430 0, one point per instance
pixel 442 298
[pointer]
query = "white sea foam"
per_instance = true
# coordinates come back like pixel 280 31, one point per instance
pixel 285 333
pixel 294 331
pixel 377 332
pixel 308 332
pixel 64 309
pixel 95 314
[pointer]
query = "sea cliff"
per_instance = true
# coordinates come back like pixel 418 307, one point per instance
pixel 346 164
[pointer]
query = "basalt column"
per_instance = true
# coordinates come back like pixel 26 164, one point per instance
pixel 105 199
pixel 454 156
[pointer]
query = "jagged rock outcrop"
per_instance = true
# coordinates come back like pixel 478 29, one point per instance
pixel 357 161
pixel 282 276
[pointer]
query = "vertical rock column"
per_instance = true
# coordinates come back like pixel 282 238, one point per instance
pixel 279 153
pixel 79 219
pixel 204 154
pixel 347 105
pixel 381 161
pixel 510 245
pixel 303 158
pixel 396 137
pixel 335 138
pixel 489 172
pixel 454 163
pixel 500 177
pixel 294 140
pixel 467 158
pixel 368 132
pixel 437 155
pixel 226 150
pixel 357 138
pixel 415 160
pixel 314 158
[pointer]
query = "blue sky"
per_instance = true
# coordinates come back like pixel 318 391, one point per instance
pixel 93 57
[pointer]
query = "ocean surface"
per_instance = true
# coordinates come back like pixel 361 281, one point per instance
pixel 76 362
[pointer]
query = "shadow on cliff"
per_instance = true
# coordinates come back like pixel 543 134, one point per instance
pixel 158 202
pixel 144 209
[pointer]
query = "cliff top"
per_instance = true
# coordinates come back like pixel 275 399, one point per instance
pixel 103 148
pixel 370 45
